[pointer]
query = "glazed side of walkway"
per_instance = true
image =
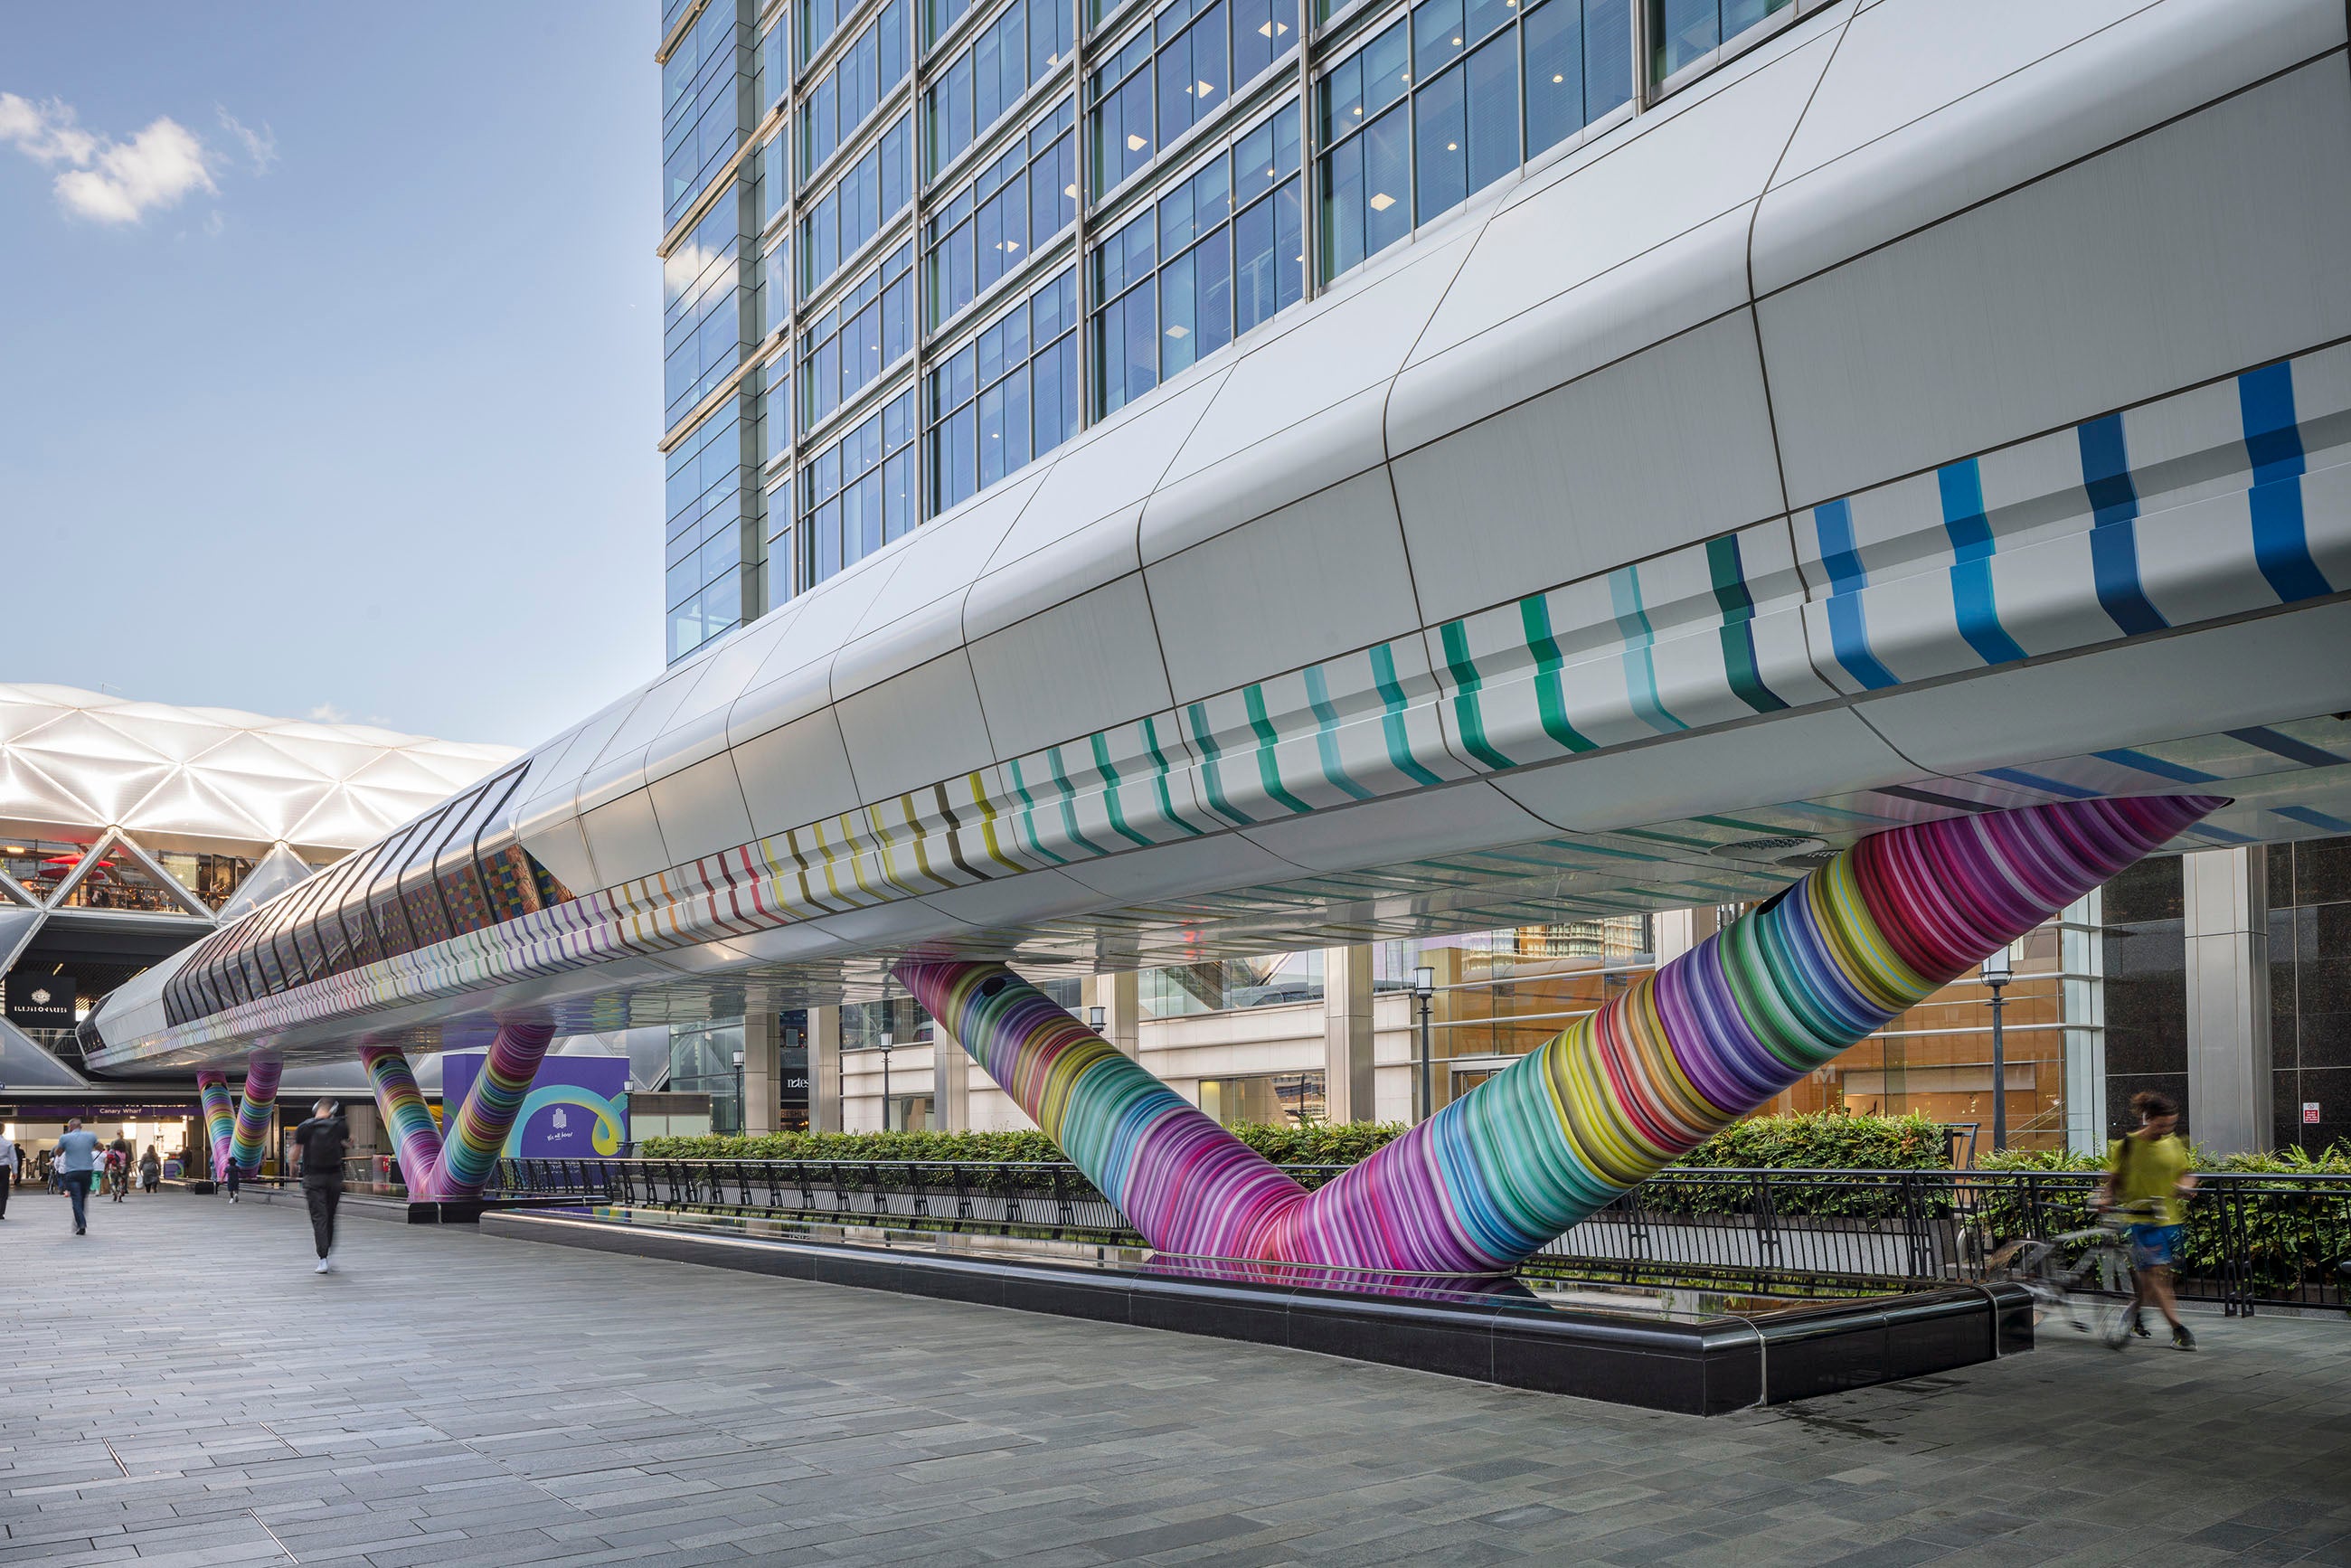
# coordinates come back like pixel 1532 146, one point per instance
pixel 178 1387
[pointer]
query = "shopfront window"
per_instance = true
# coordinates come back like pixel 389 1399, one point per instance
pixel 1225 984
pixel 1265 1100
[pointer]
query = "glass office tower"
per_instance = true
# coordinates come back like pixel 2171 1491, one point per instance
pixel 912 245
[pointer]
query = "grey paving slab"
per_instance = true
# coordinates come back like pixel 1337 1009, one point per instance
pixel 451 1398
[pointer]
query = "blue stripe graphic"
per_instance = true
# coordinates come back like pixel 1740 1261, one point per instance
pixel 1326 733
pixel 1971 552
pixel 2287 747
pixel 2274 442
pixel 1848 633
pixel 2113 536
pixel 2037 782
pixel 2312 818
pixel 1640 666
pixel 2142 762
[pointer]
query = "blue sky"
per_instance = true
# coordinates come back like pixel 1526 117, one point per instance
pixel 334 393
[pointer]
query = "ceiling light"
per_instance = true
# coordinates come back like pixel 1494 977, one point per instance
pixel 1457 40
pixel 1265 30
pixel 1359 112
pixel 1071 191
pixel 1453 147
pixel 1012 245
pixel 1206 90
pixel 1558 78
pixel 1135 144
pixel 1180 331
pixel 1383 202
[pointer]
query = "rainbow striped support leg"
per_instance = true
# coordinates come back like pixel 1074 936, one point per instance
pixel 477 1129
pixel 415 1138
pixel 220 1118
pixel 246 1143
pixel 1599 1108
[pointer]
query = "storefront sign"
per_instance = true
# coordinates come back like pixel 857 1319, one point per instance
pixel 795 1078
pixel 40 1001
pixel 2310 1112
pixel 578 1106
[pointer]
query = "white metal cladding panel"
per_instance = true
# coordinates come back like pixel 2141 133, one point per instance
pixel 1324 449
pixel 1112 468
pixel 1671 446
pixel 912 728
pixel 2213 502
pixel 1700 159
pixel 918 636
pixel 700 808
pixel 1841 194
pixel 1908 59
pixel 1087 558
pixel 1690 278
pixel 1085 664
pixel 624 839
pixel 1792 757
pixel 1380 833
pixel 1325 573
pixel 2225 228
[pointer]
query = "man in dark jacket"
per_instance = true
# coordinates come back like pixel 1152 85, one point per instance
pixel 319 1144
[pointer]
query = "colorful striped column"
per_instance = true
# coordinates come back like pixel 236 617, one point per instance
pixel 1600 1107
pixel 246 1144
pixel 220 1118
pixel 476 1130
pixel 415 1139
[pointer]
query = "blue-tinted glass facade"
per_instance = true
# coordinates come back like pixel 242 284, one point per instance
pixel 871 306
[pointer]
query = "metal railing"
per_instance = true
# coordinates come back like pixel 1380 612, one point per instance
pixel 2251 1240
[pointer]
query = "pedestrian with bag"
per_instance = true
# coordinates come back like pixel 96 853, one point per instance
pixel 77 1168
pixel 319 1142
pixel 151 1171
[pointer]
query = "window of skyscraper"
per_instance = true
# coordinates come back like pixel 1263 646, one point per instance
pixel 1002 216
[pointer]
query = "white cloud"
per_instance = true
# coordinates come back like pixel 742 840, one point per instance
pixel 108 181
pixel 328 713
pixel 261 145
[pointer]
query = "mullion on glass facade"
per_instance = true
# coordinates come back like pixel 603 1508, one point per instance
pixel 1177 71
pixel 1444 100
pixel 1683 32
pixel 706 104
pixel 858 494
pixel 1214 257
pixel 1003 216
pixel 706 323
pixel 1450 99
pixel 842 99
pixel 869 194
pixel 1006 398
pixel 989 77
pixel 712 502
pixel 869 328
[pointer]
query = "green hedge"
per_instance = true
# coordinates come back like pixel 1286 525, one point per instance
pixel 1825 1142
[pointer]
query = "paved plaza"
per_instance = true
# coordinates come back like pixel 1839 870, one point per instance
pixel 178 1387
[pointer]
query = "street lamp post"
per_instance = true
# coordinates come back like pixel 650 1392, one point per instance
pixel 1998 971
pixel 886 1043
pixel 1097 1019
pixel 741 1121
pixel 1424 993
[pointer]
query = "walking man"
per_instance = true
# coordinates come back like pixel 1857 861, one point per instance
pixel 319 1144
pixel 77 1160
pixel 7 1170
pixel 2148 1180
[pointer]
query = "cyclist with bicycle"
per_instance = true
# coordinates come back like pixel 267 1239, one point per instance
pixel 2147 1181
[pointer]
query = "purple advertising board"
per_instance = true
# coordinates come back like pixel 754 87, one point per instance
pixel 578 1106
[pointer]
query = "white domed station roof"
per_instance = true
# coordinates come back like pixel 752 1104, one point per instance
pixel 141 817
pixel 75 760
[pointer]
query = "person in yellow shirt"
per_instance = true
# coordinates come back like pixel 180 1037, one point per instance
pixel 2148 1180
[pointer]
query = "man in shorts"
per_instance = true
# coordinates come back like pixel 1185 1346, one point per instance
pixel 2148 1180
